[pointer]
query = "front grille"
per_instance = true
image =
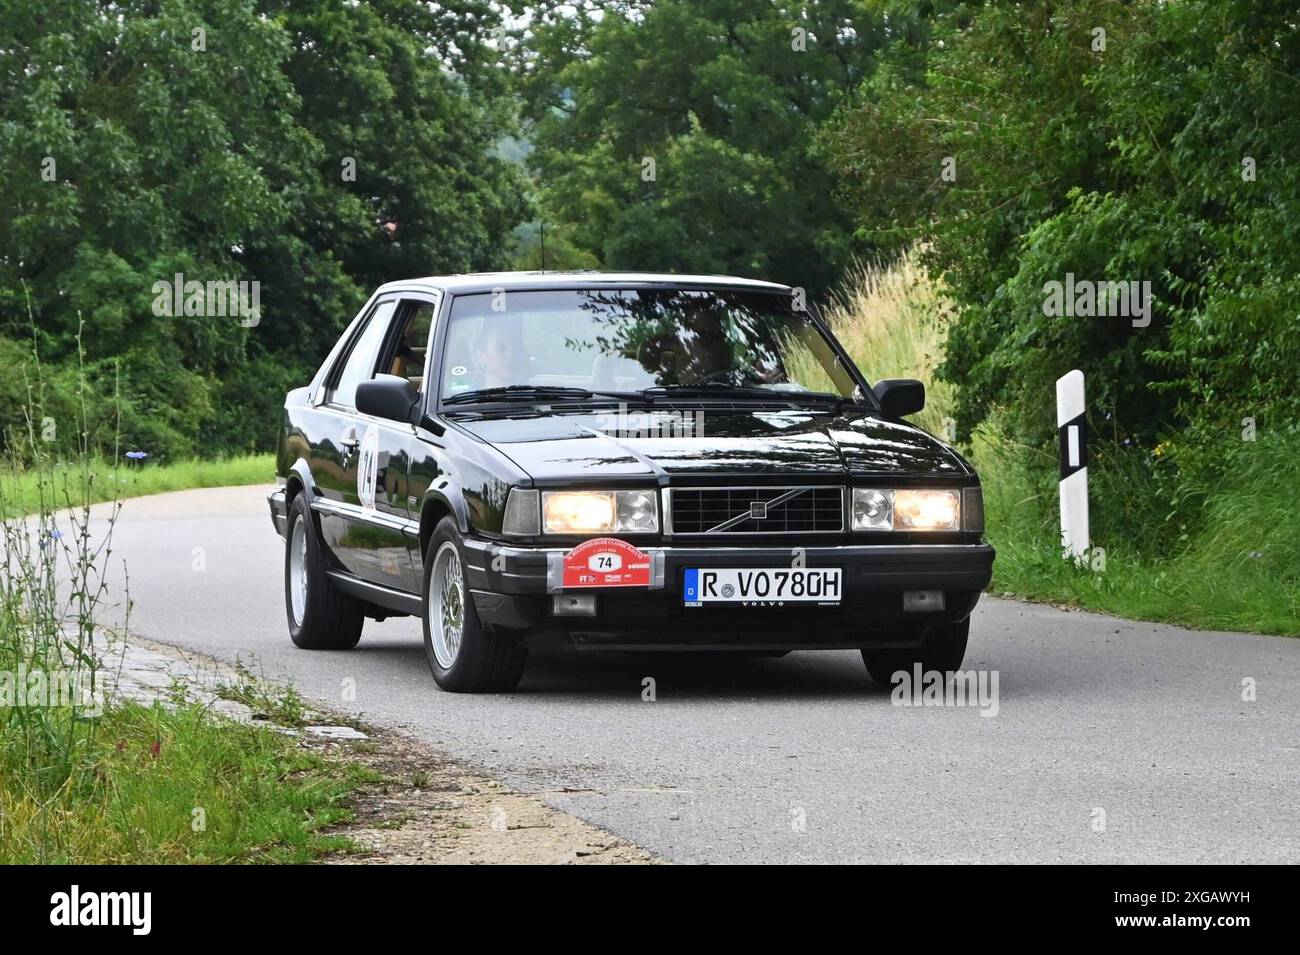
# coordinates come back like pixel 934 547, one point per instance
pixel 756 510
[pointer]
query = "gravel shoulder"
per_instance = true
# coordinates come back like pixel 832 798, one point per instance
pixel 423 808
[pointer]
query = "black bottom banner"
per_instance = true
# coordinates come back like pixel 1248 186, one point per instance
pixel 331 904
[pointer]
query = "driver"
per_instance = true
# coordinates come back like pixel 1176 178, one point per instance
pixel 499 356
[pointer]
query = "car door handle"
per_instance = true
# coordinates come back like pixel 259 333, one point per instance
pixel 350 439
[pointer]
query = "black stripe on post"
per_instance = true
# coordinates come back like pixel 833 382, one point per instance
pixel 1078 440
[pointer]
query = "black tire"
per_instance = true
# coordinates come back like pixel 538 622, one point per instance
pixel 943 648
pixel 331 619
pixel 482 661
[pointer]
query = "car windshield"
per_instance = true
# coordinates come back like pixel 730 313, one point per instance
pixel 562 343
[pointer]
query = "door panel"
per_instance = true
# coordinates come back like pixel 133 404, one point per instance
pixel 336 446
pixel 381 531
pixel 374 546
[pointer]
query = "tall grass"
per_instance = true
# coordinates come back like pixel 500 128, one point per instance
pixel 51 586
pixel 1216 549
pixel 89 779
pixel 1228 558
pixel 893 322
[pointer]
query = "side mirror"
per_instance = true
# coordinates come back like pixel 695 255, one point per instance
pixel 900 397
pixel 389 397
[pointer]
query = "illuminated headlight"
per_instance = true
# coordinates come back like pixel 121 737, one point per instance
pixel 906 510
pixel 600 512
pixel 927 510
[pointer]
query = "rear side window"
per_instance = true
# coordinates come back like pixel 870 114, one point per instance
pixel 359 365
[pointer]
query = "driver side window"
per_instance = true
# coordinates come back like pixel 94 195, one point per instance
pixel 408 353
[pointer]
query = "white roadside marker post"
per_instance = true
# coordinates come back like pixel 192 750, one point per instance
pixel 1074 464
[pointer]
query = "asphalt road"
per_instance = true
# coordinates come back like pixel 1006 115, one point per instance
pixel 1113 741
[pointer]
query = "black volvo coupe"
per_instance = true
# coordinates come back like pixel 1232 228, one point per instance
pixel 619 461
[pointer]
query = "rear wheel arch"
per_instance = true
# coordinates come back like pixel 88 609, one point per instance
pixel 299 481
pixel 292 488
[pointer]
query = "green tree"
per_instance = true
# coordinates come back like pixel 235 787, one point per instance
pixel 406 176
pixel 210 138
pixel 680 134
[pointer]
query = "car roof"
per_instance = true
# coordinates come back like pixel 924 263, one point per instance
pixel 488 281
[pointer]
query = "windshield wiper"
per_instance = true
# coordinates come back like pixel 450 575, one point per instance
pixel 517 393
pixel 822 396
pixel 710 388
pixel 531 393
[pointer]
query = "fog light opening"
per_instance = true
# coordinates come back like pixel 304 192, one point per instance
pixel 922 601
pixel 573 605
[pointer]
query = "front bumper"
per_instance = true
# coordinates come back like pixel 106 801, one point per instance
pixel 513 587
pixel 279 510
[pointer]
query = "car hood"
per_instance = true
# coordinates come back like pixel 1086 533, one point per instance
pixel 564 445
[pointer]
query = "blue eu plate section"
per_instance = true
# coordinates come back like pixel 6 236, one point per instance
pixel 691 588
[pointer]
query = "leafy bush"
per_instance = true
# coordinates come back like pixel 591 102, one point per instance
pixel 1132 162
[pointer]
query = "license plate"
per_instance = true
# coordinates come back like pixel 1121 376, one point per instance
pixel 760 586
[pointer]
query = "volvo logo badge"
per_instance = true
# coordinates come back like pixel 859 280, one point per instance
pixel 758 510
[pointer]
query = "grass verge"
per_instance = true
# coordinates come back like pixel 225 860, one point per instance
pixel 1232 565
pixel 65 482
pixel 168 785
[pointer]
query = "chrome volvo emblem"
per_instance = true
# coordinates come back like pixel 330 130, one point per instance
pixel 758 510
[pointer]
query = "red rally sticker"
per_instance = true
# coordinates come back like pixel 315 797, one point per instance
pixel 606 562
